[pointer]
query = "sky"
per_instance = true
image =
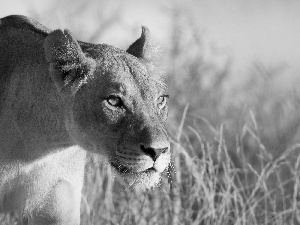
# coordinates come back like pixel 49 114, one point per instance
pixel 248 30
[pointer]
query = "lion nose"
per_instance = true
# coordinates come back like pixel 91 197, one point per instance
pixel 154 153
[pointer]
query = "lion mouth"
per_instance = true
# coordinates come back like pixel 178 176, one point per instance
pixel 138 181
pixel 127 170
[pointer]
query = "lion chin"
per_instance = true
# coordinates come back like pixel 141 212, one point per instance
pixel 143 181
pixel 139 182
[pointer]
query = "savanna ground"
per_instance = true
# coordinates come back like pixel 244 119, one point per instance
pixel 235 152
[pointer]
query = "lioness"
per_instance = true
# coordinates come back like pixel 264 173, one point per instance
pixel 60 98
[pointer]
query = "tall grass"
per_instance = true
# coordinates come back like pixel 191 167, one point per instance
pixel 200 190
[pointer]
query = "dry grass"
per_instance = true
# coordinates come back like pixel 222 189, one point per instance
pixel 200 190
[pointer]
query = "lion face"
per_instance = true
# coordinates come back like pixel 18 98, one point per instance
pixel 124 116
pixel 119 109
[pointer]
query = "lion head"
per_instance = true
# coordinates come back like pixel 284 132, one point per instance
pixel 115 103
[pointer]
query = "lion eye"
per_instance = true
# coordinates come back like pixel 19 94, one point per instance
pixel 162 101
pixel 114 101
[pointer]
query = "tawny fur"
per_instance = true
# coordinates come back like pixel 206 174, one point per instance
pixel 56 98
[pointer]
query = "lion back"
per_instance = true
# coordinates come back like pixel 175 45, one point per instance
pixel 20 40
pixel 23 23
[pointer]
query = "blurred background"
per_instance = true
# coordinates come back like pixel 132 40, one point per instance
pixel 233 78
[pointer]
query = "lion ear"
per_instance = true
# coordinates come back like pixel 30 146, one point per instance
pixel 145 47
pixel 61 47
pixel 65 56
